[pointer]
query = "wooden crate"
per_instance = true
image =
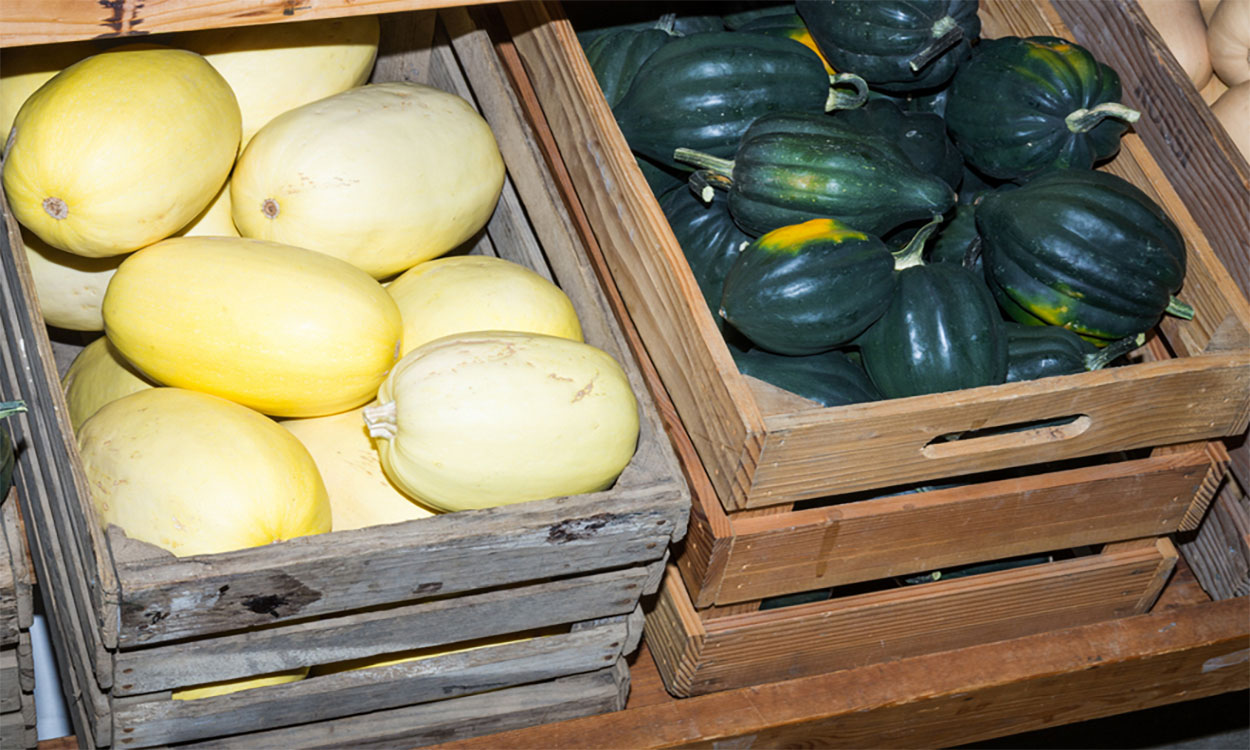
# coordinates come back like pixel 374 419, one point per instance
pixel 699 652
pixel 17 664
pixel 131 622
pixel 760 451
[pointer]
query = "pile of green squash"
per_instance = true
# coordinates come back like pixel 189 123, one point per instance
pixel 878 203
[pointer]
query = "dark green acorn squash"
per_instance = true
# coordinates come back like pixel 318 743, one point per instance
pixel 793 167
pixel 941 332
pixel 1082 249
pixel 709 239
pixel 895 45
pixel 957 241
pixel 1023 105
pixel 787 25
pixel 662 178
pixel 829 378
pixel 921 135
pixel 616 56
pixel 1045 351
pixel 702 91
pixel 809 287
pixel 683 18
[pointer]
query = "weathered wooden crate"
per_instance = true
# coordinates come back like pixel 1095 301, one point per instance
pixel 131 622
pixel 17 665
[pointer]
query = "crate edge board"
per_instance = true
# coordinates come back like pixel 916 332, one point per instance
pixel 740 650
pixel 836 545
pixel 156 718
pixel 14 529
pixel 575 695
pixel 1219 551
pixel 533 48
pixel 374 632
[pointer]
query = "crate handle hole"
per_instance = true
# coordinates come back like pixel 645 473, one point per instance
pixel 1007 437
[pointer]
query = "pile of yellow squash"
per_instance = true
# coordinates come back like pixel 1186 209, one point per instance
pixel 295 340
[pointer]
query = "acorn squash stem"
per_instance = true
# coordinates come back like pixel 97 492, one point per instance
pixel 714 164
pixel 843 100
pixel 1113 351
pixel 1083 120
pixel 704 182
pixel 946 33
pixel 8 408
pixel 1180 309
pixel 912 253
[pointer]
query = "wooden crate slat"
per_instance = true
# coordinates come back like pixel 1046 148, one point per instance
pixel 947 699
pixel 8 592
pixel 146 721
pixel 850 632
pixel 10 682
pixel 381 631
pixel 169 598
pixel 470 716
pixel 13 528
pixel 841 544
pixel 1219 551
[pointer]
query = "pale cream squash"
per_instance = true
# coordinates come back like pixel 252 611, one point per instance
pixel 276 67
pixel 1232 109
pixel 490 418
pixel 196 474
pixel 286 331
pixel 1208 8
pixel 479 293
pixel 24 69
pixel 360 493
pixel 214 221
pixel 121 149
pixel 97 376
pixel 383 176
pixel 1228 39
pixel 1184 30
pixel 70 287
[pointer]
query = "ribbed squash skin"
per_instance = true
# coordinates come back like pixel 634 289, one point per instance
pixel 709 239
pixel 97 376
pixel 830 378
pixel 616 56
pixel 956 238
pixel 793 167
pixel 196 474
pixel 360 493
pixel 1081 249
pixel 275 67
pixel 786 24
pixel 1007 106
pixel 702 91
pixel 921 135
pixel 287 331
pixel 78 177
pixel 1043 351
pixel 492 418
pixel 877 38
pixel 383 176
pixel 479 293
pixel 807 288
pixel 941 332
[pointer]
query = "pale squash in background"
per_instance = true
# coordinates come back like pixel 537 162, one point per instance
pixel 383 176
pixel 1228 39
pixel 195 474
pixel 279 66
pixel 214 221
pixel 233 686
pixel 121 149
pixel 70 287
pixel 360 493
pixel 98 376
pixel 479 293
pixel 1184 30
pixel 284 330
pixel 1232 109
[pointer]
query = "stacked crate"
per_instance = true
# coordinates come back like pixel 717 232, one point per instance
pixel 17 666
pixel 795 504
pixel 554 585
